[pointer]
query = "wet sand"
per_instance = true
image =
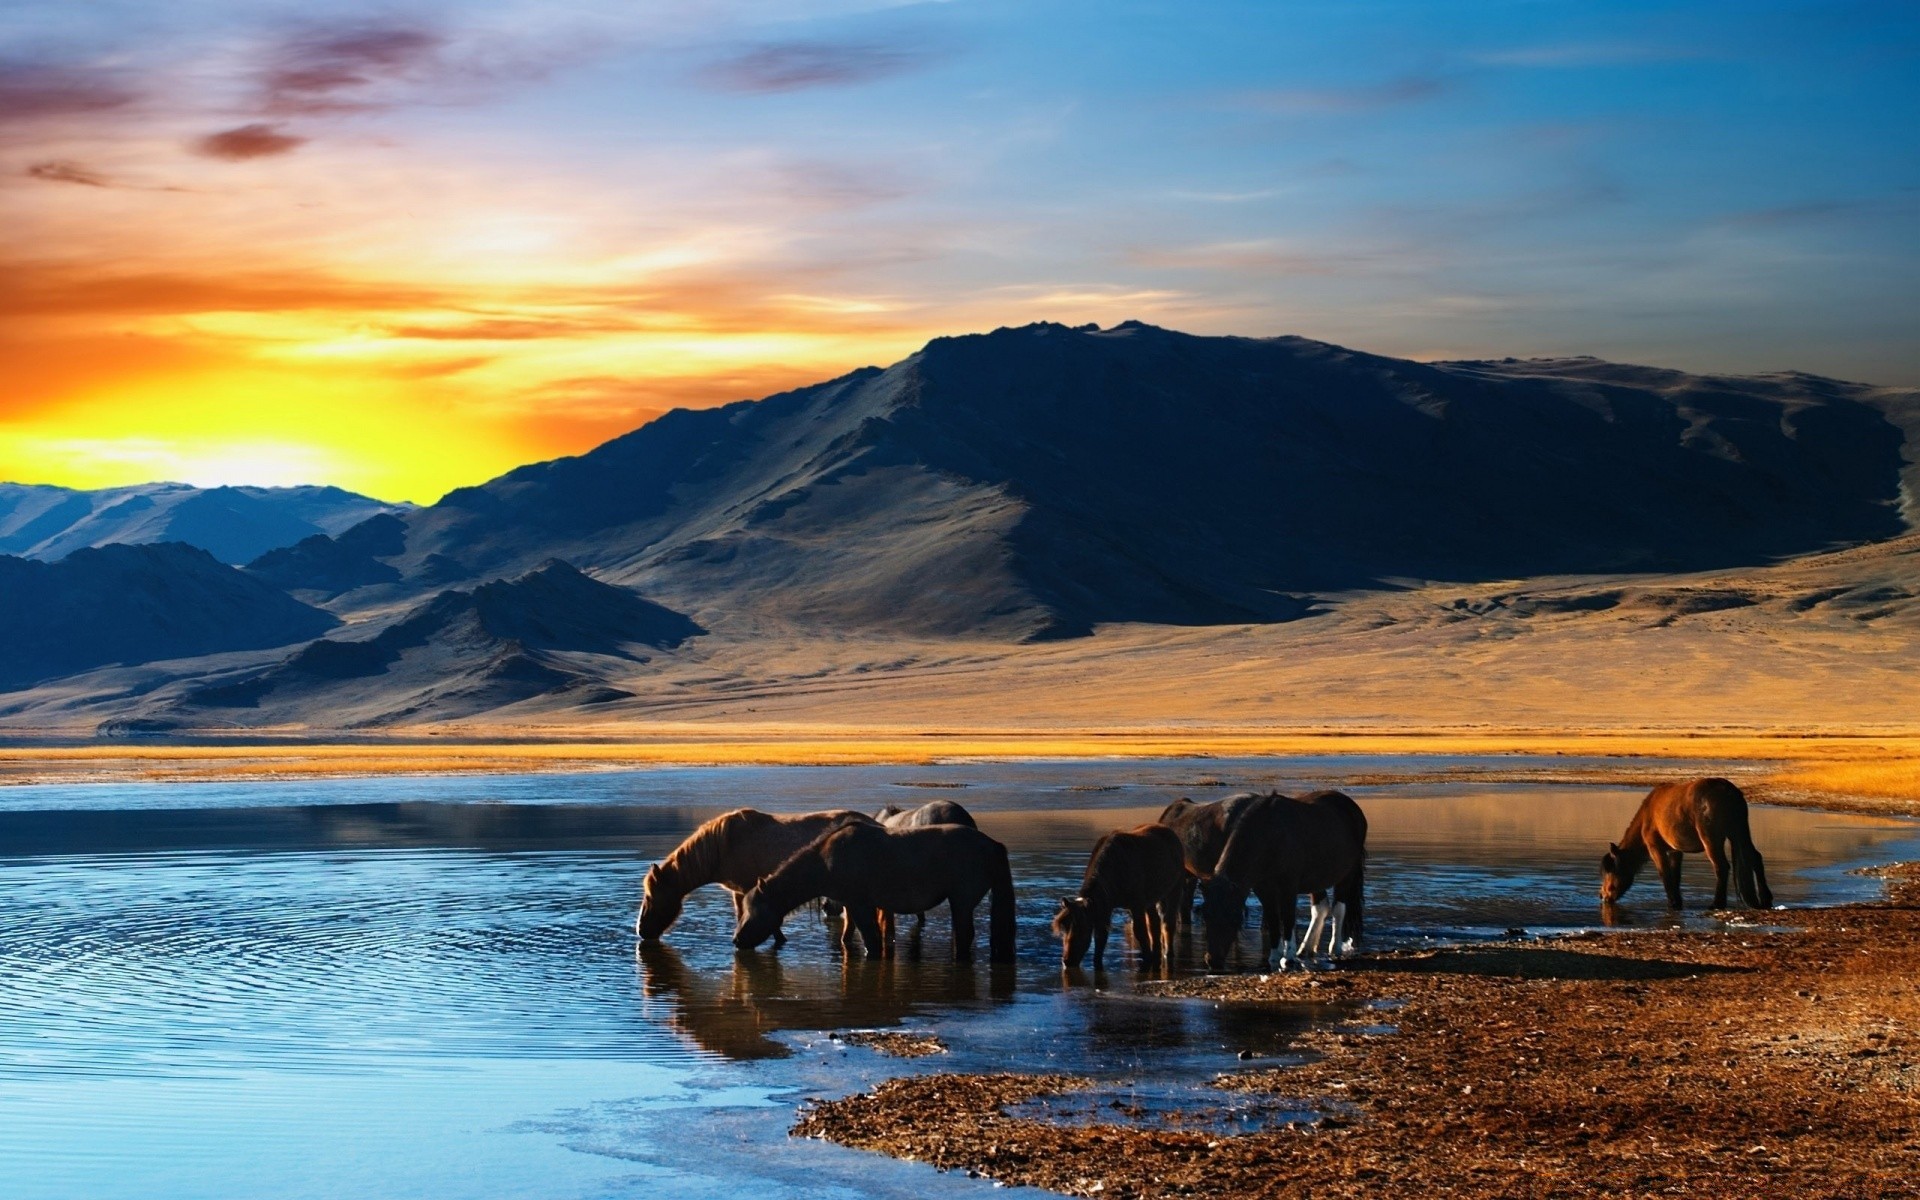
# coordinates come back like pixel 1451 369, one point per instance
pixel 1774 1059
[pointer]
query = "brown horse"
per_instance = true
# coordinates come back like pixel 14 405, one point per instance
pixel 1203 830
pixel 1137 869
pixel 1279 848
pixel 1705 815
pixel 870 869
pixel 735 850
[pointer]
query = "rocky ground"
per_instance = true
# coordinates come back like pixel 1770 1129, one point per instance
pixel 1775 1056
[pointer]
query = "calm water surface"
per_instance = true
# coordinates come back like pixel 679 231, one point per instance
pixel 428 987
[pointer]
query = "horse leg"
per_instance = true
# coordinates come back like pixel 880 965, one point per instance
pixel 1142 936
pixel 1667 862
pixel 1752 873
pixel 1316 920
pixel 962 929
pixel 886 932
pixel 1336 946
pixel 867 921
pixel 1100 923
pixel 1717 855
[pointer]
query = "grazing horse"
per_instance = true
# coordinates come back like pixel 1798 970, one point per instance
pixel 1279 848
pixel 1689 818
pixel 870 869
pixel 1137 869
pixel 735 850
pixel 1203 830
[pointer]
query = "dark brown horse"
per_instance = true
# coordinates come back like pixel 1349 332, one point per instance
pixel 870 869
pixel 1203 830
pixel 1279 848
pixel 735 850
pixel 893 816
pixel 1705 815
pixel 1136 869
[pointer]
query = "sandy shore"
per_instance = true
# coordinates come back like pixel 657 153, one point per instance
pixel 1870 772
pixel 1743 1062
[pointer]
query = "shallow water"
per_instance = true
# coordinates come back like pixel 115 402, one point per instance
pixel 428 987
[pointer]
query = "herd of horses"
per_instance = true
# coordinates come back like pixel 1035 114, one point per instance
pixel 1272 847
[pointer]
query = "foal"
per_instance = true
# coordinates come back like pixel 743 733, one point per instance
pixel 1138 869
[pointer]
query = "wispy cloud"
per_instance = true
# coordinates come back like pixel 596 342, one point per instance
pixel 35 91
pixel 61 170
pixel 1584 54
pixel 1391 93
pixel 794 66
pixel 344 70
pixel 258 140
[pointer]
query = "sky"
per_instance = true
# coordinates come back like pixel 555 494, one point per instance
pixel 405 247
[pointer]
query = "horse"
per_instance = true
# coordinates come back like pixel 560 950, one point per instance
pixel 1688 818
pixel 1279 848
pixel 893 816
pixel 1137 869
pixel 1203 830
pixel 735 850
pixel 871 869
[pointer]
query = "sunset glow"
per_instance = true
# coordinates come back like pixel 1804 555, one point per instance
pixel 404 252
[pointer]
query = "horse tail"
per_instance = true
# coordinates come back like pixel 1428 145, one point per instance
pixel 1749 869
pixel 1352 892
pixel 1000 926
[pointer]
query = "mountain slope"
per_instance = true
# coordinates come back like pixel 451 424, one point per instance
pixel 234 524
pixel 463 652
pixel 137 604
pixel 1038 481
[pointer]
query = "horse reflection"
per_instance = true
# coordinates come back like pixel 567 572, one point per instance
pixel 736 1012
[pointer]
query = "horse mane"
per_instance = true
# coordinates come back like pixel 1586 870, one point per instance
pixel 698 857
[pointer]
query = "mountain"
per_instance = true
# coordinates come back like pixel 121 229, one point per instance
pixel 234 524
pixel 467 651
pixel 1032 483
pixel 137 604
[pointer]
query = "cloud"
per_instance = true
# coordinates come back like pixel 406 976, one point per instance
pixel 1583 54
pixel 43 289
pixel 795 66
pixel 37 91
pixel 61 170
pixel 1392 93
pixel 339 71
pixel 258 140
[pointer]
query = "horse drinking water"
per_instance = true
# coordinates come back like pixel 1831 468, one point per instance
pixel 1704 815
pixel 869 869
pixel 1279 848
pixel 735 850
pixel 1137 869
pixel 1203 830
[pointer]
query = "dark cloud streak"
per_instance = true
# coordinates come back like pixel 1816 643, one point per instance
pixel 338 71
pixel 795 66
pixel 248 142
pixel 30 92
pixel 61 170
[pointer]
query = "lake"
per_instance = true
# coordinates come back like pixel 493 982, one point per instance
pixel 401 987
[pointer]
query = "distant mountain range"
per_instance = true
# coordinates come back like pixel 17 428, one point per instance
pixel 234 524
pixel 1034 483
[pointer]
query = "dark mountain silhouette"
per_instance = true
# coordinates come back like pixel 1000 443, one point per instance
pixel 137 604
pixel 467 651
pixel 234 524
pixel 1033 482
pixel 331 565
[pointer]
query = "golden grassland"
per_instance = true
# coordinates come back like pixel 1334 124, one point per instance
pixel 1877 769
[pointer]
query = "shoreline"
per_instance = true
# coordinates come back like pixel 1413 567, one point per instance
pixel 1873 773
pixel 1749 1060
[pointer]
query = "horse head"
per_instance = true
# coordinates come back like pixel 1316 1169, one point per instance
pixel 1074 924
pixel 759 920
pixel 1616 874
pixel 1224 911
pixel 660 905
